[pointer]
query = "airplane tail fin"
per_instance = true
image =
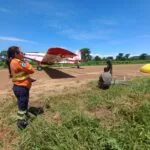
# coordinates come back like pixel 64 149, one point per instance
pixel 78 53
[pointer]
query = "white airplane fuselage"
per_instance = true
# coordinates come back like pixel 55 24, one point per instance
pixel 44 58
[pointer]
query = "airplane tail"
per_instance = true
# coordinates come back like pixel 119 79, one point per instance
pixel 73 60
pixel 78 57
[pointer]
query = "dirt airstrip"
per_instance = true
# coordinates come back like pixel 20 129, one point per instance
pixel 54 80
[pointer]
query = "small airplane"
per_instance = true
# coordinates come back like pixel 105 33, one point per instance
pixel 54 55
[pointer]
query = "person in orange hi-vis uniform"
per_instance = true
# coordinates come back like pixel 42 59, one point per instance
pixel 19 72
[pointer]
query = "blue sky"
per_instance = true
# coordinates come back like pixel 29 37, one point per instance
pixel 107 27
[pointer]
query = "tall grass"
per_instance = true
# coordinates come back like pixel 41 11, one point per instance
pixel 92 119
pixel 126 127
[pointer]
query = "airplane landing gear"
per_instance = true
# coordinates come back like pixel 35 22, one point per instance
pixel 39 68
pixel 78 66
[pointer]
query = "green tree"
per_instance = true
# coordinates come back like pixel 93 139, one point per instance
pixel 85 54
pixel 143 56
pixel 90 57
pixel 97 58
pixel 3 55
pixel 120 56
pixel 104 58
pixel 126 57
pixel 110 57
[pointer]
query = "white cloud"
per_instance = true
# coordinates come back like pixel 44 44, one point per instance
pixel 93 55
pixel 56 25
pixel 52 9
pixel 102 56
pixel 42 7
pixel 80 33
pixel 117 42
pixel 110 22
pixel 15 39
pixel 41 4
pixel 4 10
pixel 65 14
pixel 103 53
pixel 114 56
pixel 104 21
pixel 84 35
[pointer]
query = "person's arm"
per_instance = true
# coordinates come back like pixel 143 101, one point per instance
pixel 100 79
pixel 24 66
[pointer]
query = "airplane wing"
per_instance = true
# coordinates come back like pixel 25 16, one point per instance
pixel 63 53
pixel 53 55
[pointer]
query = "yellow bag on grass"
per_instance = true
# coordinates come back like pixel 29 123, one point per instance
pixel 145 68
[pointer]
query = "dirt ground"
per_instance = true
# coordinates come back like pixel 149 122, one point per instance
pixel 53 81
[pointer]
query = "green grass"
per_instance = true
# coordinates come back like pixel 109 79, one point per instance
pixel 90 119
pixel 114 62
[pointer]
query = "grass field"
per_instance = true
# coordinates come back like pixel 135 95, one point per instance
pixel 86 118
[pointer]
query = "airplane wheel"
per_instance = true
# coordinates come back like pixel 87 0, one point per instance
pixel 39 68
pixel 78 66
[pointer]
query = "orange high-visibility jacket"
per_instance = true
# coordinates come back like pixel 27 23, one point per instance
pixel 20 72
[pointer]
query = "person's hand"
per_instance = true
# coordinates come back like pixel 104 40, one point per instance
pixel 10 76
pixel 32 80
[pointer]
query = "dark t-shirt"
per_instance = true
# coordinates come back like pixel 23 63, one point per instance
pixel 109 64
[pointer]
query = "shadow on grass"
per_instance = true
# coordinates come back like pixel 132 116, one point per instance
pixel 36 110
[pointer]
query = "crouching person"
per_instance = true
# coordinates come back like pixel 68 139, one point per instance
pixel 105 79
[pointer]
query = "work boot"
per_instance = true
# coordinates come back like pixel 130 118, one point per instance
pixel 22 124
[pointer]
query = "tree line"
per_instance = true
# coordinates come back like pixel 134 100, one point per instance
pixel 86 56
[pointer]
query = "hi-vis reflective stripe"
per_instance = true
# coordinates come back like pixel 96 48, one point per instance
pixel 21 115
pixel 22 112
pixel 20 78
pixel 19 73
pixel 20 118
